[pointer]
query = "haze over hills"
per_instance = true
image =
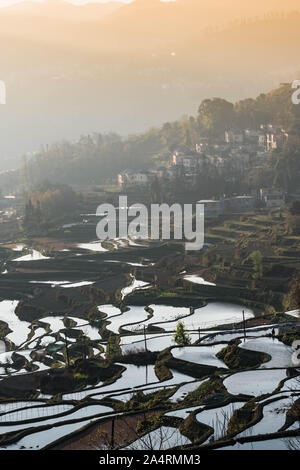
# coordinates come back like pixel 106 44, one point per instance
pixel 71 70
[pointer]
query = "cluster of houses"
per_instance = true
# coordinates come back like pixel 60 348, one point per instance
pixel 266 138
pixel 238 155
pixel 240 152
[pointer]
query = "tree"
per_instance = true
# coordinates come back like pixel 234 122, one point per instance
pixel 112 348
pixel 256 257
pixel 162 438
pixel 215 115
pixel 292 300
pixel 287 165
pixel 181 337
pixel 293 218
pixel 47 204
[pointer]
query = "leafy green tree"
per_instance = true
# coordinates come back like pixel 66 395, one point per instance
pixel 181 337
pixel 215 115
pixel 112 348
pixel 256 257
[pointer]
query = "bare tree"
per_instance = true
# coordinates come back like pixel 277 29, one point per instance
pixel 163 438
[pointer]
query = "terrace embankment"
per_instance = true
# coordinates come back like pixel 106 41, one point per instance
pixel 55 381
pixel 98 436
pixel 237 358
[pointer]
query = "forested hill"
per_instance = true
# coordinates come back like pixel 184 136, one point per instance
pixel 95 158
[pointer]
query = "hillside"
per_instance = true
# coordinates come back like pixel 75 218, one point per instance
pixel 96 157
pixel 73 70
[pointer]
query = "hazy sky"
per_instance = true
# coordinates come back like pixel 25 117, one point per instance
pixel 77 2
pixel 4 3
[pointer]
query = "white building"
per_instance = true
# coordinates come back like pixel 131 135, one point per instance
pixel 262 140
pixel 272 197
pixel 190 161
pixel 234 137
pixel 133 177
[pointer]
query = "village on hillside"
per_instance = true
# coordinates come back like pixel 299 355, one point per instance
pixel 241 155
